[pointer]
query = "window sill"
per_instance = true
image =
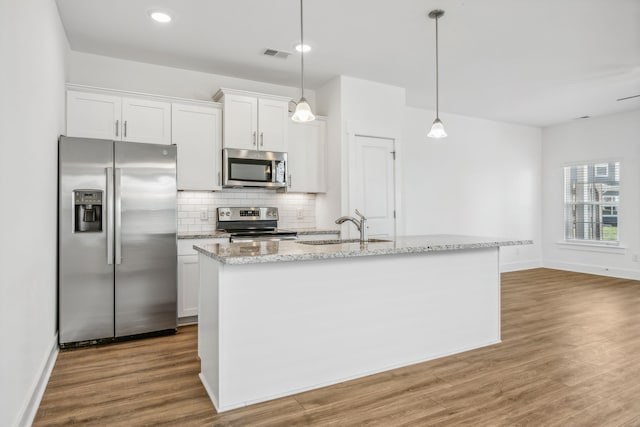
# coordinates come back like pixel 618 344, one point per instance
pixel 592 247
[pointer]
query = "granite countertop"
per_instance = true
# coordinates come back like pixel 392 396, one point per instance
pixel 283 251
pixel 215 234
pixel 307 231
pixel 223 234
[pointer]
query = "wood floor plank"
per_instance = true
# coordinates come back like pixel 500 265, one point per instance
pixel 570 356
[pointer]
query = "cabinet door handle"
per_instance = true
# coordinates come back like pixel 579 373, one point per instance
pixel 289 180
pixel 254 137
pixel 125 128
pixel 261 139
pixel 117 126
pixel 219 183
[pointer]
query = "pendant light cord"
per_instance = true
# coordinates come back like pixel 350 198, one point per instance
pixel 437 80
pixel 302 52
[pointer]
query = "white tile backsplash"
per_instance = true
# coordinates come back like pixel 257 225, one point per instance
pixel 190 204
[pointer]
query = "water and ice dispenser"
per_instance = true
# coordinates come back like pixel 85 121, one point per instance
pixel 87 211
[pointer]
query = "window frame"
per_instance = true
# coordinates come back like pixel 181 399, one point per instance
pixel 617 205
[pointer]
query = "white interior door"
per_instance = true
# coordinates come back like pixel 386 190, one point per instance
pixel 372 184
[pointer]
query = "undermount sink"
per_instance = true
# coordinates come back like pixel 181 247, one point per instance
pixel 338 241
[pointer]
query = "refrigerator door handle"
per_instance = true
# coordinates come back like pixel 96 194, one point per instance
pixel 109 211
pixel 118 214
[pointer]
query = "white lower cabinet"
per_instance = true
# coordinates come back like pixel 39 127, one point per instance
pixel 188 277
pixel 187 285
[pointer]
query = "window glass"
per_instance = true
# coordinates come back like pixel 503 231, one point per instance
pixel 592 196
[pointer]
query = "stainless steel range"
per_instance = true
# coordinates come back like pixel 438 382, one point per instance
pixel 252 224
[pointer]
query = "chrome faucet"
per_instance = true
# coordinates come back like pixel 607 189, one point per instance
pixel 360 225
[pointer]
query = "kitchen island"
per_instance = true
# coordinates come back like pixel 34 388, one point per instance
pixel 279 318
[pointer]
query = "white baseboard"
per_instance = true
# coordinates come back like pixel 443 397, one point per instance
pixel 189 320
pixel 600 270
pixel 521 265
pixel 28 413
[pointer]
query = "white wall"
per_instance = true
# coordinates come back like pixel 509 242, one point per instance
pixel 112 73
pixel 615 137
pixel 374 105
pixel 328 205
pixel 33 49
pixel 353 105
pixel 483 179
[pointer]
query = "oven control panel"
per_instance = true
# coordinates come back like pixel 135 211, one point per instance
pixel 247 214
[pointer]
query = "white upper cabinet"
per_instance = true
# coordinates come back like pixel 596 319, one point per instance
pixel 273 124
pixel 197 132
pixel 306 162
pixel 112 116
pixel 93 115
pixel 241 122
pixel 254 121
pixel 146 121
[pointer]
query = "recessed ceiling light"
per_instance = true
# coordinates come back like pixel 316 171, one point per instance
pixel 303 48
pixel 160 16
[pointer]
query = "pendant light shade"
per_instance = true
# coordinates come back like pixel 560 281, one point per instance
pixel 303 111
pixel 437 128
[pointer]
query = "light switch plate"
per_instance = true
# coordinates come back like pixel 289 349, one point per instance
pixel 204 214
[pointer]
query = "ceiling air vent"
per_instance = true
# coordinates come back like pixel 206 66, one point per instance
pixel 276 53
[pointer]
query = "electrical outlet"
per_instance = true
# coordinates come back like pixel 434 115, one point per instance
pixel 300 213
pixel 634 257
pixel 204 214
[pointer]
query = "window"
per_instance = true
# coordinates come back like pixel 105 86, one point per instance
pixel 591 198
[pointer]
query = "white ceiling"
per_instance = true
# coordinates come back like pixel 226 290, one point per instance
pixel 536 62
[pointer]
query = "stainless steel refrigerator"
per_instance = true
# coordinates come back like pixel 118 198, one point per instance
pixel 116 240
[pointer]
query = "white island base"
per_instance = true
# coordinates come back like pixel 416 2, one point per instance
pixel 273 329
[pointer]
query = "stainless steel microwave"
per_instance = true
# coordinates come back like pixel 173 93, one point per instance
pixel 250 168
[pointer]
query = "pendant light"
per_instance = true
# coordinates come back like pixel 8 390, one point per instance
pixel 303 110
pixel 437 129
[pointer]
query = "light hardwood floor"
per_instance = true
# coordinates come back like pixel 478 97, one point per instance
pixel 570 356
